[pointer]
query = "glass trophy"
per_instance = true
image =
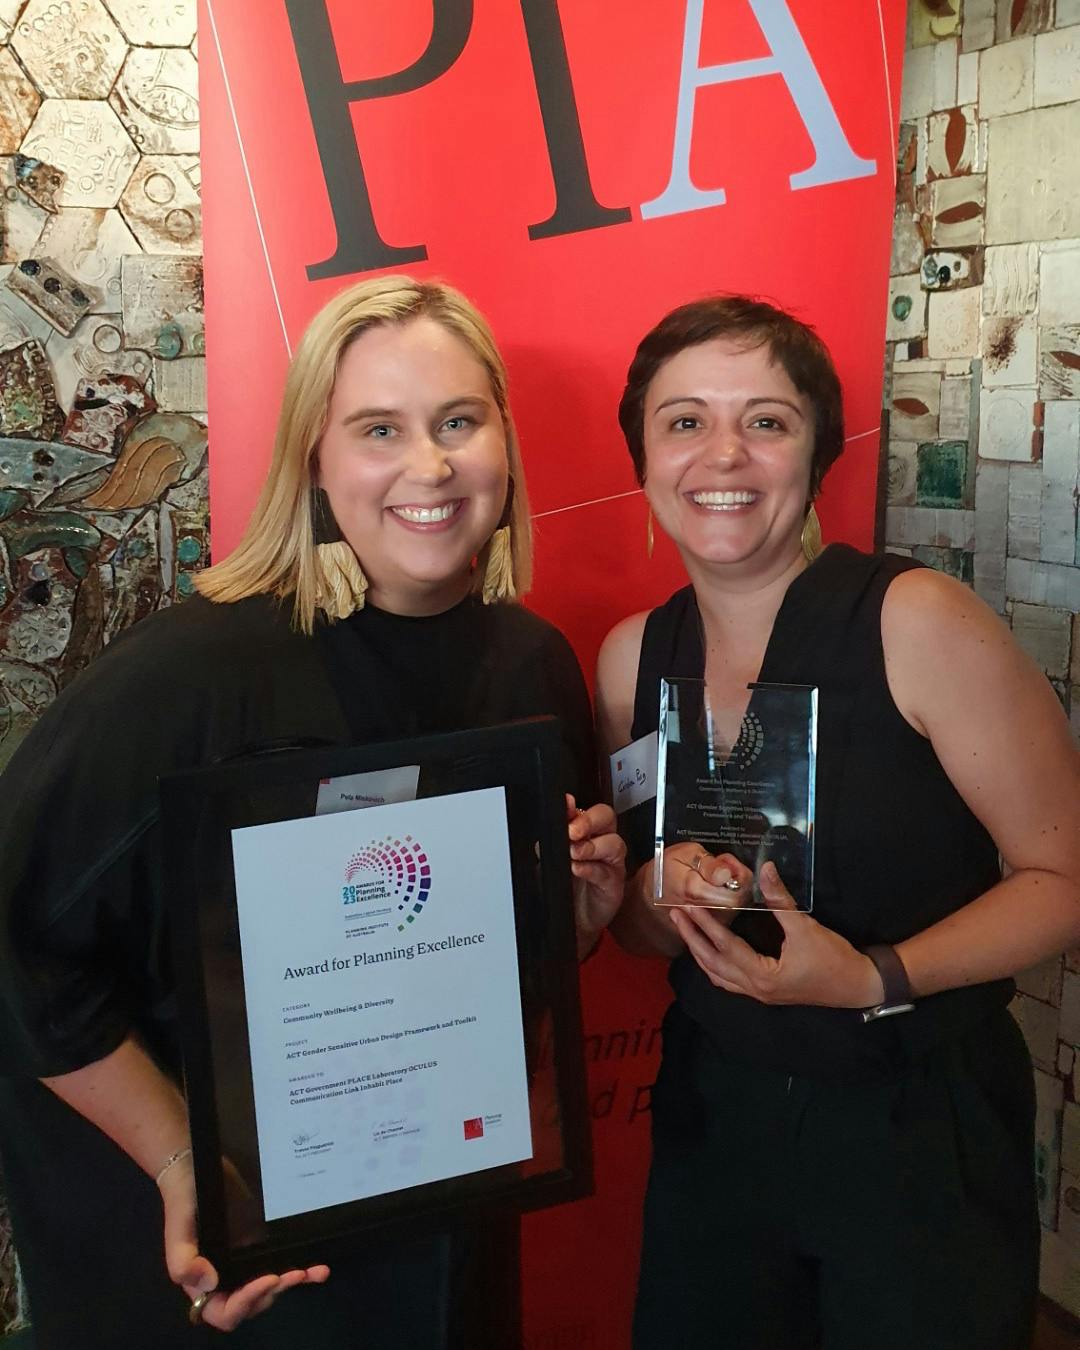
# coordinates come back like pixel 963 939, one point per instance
pixel 743 786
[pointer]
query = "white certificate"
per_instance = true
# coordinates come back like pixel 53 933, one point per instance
pixel 383 1003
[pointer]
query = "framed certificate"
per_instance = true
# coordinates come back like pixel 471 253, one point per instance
pixel 377 977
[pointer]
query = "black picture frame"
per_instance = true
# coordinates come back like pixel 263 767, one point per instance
pixel 200 808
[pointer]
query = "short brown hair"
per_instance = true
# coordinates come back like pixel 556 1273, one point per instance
pixel 792 344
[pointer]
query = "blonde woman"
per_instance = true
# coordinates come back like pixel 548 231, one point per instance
pixel 368 600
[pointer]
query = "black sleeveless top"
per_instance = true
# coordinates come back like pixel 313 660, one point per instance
pixel 896 848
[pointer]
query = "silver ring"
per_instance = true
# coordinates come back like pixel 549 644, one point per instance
pixel 195 1312
pixel 732 885
pixel 696 864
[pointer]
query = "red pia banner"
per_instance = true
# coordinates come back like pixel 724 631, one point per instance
pixel 578 169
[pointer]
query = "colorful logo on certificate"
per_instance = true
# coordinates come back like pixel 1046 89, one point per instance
pixel 474 1129
pixel 390 870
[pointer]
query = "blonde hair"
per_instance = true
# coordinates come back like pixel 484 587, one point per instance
pixel 276 554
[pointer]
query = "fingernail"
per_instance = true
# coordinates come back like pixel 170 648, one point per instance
pixel 720 877
pixel 769 872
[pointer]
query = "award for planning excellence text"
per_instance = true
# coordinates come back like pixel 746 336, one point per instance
pixel 751 795
pixel 383 1002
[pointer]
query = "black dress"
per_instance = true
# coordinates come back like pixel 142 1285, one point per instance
pixel 818 1181
pixel 84 943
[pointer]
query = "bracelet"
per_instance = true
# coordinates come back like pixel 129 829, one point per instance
pixel 171 1161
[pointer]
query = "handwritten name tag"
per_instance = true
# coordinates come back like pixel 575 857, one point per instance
pixel 633 773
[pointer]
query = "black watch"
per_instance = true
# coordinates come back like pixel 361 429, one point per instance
pixel 895 981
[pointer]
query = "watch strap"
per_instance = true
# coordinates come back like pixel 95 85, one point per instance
pixel 897 997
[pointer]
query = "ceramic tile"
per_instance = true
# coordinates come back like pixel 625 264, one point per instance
pixel 180 385
pixel 1044 982
pixel 96 348
pixel 28 406
pixel 1057 66
pixel 24 220
pixel 955 409
pixel 162 207
pixel 86 141
pixel 1061 477
pixel 991 525
pixel 1007 424
pixel 1025 511
pixel 1059 302
pixel 19 101
pixel 978 25
pixel 1059 1270
pixel 163 305
pixel 92 240
pixel 155 23
pixel 916 401
pixel 43 285
pixel 1049 1103
pixel 907 309
pixel 1067 13
pixel 1074 666
pixel 1045 634
pixel 104 411
pixel 907 243
pixel 1007 78
pixel 1011 279
pixel 951 269
pixel 953 323
pixel 157 99
pixel 1059 375
pixel 911 526
pixel 932 22
pixel 19 323
pixel 1033 187
pixel 944 74
pixel 1023 16
pixel 941 474
pixel 917 90
pixel 1039 583
pixel 1038 1021
pixel 952 142
pixel 1010 351
pixel 967 78
pixel 72 50
pixel 958 209
pixel 161 451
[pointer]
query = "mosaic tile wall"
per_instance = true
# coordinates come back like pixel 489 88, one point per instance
pixel 103 500
pixel 983 410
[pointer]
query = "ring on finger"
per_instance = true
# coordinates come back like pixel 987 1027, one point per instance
pixel 696 864
pixel 732 884
pixel 195 1312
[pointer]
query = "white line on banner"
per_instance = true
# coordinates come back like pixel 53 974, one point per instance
pixel 618 496
pixel 596 501
pixel 888 92
pixel 247 174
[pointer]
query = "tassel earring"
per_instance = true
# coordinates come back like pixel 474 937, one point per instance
pixel 812 545
pixel 499 569
pixel 650 540
pixel 340 583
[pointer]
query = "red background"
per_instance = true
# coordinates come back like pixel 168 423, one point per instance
pixel 462 167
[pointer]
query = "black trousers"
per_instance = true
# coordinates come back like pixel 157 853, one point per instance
pixel 787 1214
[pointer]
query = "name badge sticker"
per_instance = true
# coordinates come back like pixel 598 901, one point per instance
pixel 354 791
pixel 633 773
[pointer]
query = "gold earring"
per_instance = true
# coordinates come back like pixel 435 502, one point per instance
pixel 812 545
pixel 650 540
pixel 340 583
pixel 499 569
